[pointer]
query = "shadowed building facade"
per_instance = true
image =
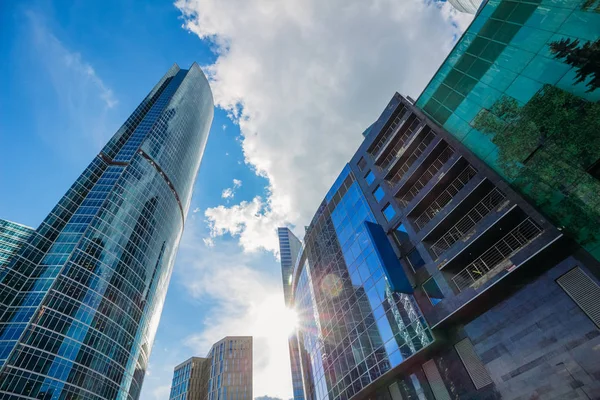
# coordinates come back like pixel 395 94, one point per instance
pixel 84 294
pixel 456 255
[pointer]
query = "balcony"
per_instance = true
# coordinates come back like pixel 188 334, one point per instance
pixel 391 126
pixel 445 197
pixel 434 166
pixel 408 128
pixel 410 155
pixel 498 256
pixel 466 224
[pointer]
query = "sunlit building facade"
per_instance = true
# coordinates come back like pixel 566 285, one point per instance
pixel 427 274
pixel 190 380
pixel 289 250
pixel 84 294
pixel 231 369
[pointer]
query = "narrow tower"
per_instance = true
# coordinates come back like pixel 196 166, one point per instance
pixel 84 295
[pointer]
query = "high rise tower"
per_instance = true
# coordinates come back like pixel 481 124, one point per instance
pixel 290 249
pixel 84 295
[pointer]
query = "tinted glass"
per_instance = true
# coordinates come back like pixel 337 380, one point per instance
pixel 433 291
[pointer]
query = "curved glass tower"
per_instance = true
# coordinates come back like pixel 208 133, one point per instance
pixel 82 298
pixel 466 6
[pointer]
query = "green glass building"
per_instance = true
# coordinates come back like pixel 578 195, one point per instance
pixel 521 89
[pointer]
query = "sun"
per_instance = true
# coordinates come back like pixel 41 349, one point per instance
pixel 274 320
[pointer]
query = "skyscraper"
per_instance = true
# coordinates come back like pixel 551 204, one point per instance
pixel 290 249
pixel 425 275
pixel 190 379
pixel 466 6
pixel 224 374
pixel 12 237
pixel 85 293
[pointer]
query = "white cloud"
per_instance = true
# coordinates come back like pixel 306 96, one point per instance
pixel 245 296
pixel 230 192
pixel 197 209
pixel 209 242
pixel 315 75
pixel 224 127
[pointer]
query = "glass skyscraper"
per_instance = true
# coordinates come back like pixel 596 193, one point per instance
pixel 84 295
pixel 12 237
pixel 289 249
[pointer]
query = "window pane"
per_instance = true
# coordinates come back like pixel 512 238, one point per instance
pixel 415 259
pixel 370 177
pixel 362 163
pixel 378 193
pixel 389 212
pixel 433 291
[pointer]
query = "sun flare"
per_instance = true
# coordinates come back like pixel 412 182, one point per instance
pixel 274 320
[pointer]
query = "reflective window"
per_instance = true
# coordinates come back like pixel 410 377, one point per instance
pixel 370 177
pixel 433 291
pixel 415 259
pixel 378 193
pixel 362 163
pixel 389 212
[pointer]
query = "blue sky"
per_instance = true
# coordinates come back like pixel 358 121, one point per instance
pixel 295 84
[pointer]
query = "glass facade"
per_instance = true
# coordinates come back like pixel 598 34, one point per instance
pixel 85 293
pixel 353 326
pixel 466 6
pixel 12 237
pixel 231 369
pixel 290 249
pixel 520 89
pixel 190 380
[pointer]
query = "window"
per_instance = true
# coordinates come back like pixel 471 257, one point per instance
pixel 370 177
pixel 594 170
pixel 433 291
pixel 362 163
pixel 415 259
pixel 378 193
pixel 389 212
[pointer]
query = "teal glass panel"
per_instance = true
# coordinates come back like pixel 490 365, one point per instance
pixel 506 34
pixel 548 18
pixel 479 143
pixel 545 70
pixel 521 13
pixel 567 82
pixel 467 110
pixel 514 59
pixel 523 89
pixel 499 78
pixel 483 95
pixel 581 24
pixel 530 39
pixel 504 10
pixel 457 126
